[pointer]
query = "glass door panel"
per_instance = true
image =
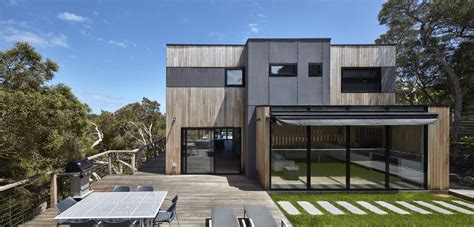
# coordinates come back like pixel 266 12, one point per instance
pixel 198 151
pixel 227 150
pixel 288 157
pixel 367 159
pixel 328 157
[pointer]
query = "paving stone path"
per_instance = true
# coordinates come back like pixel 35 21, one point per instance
pixel 308 207
pixel 353 209
pixel 329 207
pixel 378 207
pixel 413 208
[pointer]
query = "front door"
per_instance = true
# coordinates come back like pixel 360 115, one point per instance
pixel 210 150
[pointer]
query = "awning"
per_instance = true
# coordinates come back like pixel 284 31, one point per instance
pixel 354 118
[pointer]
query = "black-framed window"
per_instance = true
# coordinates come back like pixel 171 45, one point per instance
pixel 283 70
pixel 361 79
pixel 234 77
pixel 315 69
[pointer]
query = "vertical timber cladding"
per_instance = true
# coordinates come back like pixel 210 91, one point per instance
pixel 263 145
pixel 359 56
pixel 189 106
pixel 438 150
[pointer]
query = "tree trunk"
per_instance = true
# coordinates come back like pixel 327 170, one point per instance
pixel 458 95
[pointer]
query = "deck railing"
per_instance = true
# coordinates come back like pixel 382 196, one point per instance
pixel 22 200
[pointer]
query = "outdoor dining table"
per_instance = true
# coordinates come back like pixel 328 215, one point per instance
pixel 121 206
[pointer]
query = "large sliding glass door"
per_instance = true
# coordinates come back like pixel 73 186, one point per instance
pixel 347 157
pixel 210 150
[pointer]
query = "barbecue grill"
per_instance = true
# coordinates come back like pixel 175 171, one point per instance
pixel 79 174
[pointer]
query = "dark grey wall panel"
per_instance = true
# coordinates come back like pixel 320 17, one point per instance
pixel 195 77
pixel 283 90
pixel 257 76
pixel 310 89
pixel 283 52
pixel 388 79
pixel 326 72
pixel 249 144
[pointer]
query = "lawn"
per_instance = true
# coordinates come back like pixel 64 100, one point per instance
pixel 371 219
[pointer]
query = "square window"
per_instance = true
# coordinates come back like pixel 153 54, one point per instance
pixel 282 69
pixel 361 80
pixel 315 69
pixel 234 78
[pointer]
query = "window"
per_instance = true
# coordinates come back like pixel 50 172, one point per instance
pixel 234 77
pixel 356 80
pixel 315 69
pixel 282 69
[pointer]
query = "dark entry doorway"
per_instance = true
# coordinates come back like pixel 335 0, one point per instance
pixel 210 150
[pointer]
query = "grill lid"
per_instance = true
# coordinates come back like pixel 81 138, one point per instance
pixel 81 165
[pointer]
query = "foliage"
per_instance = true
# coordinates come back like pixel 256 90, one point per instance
pixel 371 219
pixel 131 126
pixel 41 126
pixel 434 51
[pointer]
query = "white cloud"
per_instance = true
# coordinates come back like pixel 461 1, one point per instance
pixel 217 35
pixel 12 2
pixel 261 15
pixel 11 34
pixel 253 28
pixel 66 16
pixel 117 43
pixel 14 23
pixel 95 13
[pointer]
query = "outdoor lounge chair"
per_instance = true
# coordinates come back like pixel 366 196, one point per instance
pixel 145 188
pixel 259 216
pixel 121 188
pixel 169 215
pixel 223 216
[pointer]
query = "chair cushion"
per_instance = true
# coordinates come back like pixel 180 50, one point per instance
pixel 162 216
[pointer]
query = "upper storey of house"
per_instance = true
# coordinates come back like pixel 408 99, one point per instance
pixel 289 71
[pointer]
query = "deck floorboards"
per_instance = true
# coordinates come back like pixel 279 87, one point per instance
pixel 197 195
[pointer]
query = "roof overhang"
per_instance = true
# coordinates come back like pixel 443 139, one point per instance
pixel 325 117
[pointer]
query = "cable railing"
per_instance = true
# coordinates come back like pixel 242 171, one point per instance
pixel 21 201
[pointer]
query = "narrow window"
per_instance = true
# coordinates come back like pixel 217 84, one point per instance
pixel 361 80
pixel 315 69
pixel 282 69
pixel 234 77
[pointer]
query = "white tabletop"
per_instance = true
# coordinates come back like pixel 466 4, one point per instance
pixel 116 205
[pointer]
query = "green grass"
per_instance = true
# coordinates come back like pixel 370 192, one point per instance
pixel 371 219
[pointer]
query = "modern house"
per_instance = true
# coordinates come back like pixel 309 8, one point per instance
pixel 300 114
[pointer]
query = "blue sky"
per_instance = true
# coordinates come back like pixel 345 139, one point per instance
pixel 112 52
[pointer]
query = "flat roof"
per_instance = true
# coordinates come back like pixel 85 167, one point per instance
pixel 278 40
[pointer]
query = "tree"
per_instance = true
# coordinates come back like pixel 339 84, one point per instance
pixel 434 41
pixel 41 127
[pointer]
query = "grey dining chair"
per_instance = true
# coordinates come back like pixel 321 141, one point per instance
pixel 145 188
pixel 127 223
pixel 63 206
pixel 121 188
pixel 169 215
pixel 86 223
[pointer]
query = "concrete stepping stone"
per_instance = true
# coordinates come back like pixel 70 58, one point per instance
pixel 353 209
pixel 433 207
pixel 413 207
pixel 391 207
pixel 330 208
pixel 308 207
pixel 453 207
pixel 371 207
pixel 464 203
pixel 289 208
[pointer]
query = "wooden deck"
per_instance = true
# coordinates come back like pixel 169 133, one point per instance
pixel 197 195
